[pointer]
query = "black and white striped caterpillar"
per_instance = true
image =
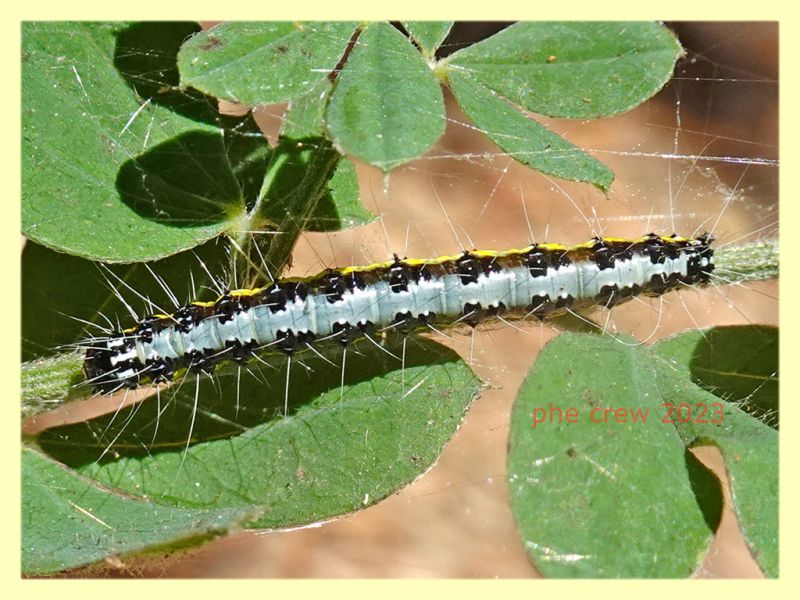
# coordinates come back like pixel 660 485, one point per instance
pixel 339 305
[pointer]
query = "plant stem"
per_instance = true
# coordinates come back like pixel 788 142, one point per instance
pixel 296 179
pixel 49 382
pixel 749 262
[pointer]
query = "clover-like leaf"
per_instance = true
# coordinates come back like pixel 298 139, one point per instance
pixel 341 447
pixel 573 69
pixel 733 371
pixel 118 164
pixel 387 106
pixel 600 486
pixel 69 521
pixel 429 35
pixel 528 141
pixel 263 62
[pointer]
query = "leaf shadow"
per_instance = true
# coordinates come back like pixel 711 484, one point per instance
pixel 161 424
pixel 200 177
pixel 146 56
pixel 725 352
pixel 707 490
pixel 183 182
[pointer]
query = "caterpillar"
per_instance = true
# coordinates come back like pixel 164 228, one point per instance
pixel 341 304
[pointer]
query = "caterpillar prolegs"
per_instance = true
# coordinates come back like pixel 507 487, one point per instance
pixel 341 304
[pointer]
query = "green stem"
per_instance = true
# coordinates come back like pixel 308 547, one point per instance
pixel 296 179
pixel 49 382
pixel 749 262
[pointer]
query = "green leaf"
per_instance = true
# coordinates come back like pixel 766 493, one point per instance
pixel 703 368
pixel 338 450
pixel 573 69
pixel 748 379
pixel 263 63
pixel 523 138
pixel 428 34
pixel 387 106
pixel 304 117
pixel 69 521
pixel 118 164
pixel 341 207
pixel 614 498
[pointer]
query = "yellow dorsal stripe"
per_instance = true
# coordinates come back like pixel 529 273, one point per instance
pixel 418 262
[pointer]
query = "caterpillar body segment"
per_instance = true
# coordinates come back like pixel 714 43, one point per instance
pixel 338 305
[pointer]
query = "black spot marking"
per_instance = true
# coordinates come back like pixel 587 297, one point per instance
pixel 626 293
pixel 489 265
pixel 399 276
pixel 366 327
pixel 404 322
pixel 305 338
pixel 602 255
pixel 286 340
pixel 496 310
pixel 564 301
pixel 540 306
pixel 472 314
pixel 428 271
pixel 335 284
pixel 606 295
pixel 672 252
pixel 536 261
pixel 298 290
pixel 655 247
pixel 226 307
pixel 186 318
pixel 560 259
pixel 229 305
pixel 147 328
pixel 238 351
pixel 160 369
pixel 624 254
pixel 200 360
pixel 333 287
pixel 692 265
pixel 427 319
pixel 354 281
pixel 344 333
pixel 658 284
pixel 468 268
pixel 278 296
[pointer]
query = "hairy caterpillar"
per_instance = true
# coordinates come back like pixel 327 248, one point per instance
pixel 338 305
pixel 476 474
